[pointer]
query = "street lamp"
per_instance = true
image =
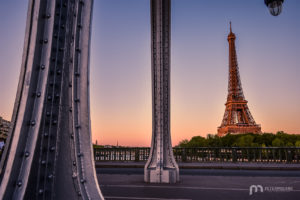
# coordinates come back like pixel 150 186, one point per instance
pixel 275 6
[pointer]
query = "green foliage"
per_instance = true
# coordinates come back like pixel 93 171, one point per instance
pixel 280 139
pixel 297 143
pixel 97 146
pixel 245 141
pixel 277 142
pixel 197 141
pixel 183 143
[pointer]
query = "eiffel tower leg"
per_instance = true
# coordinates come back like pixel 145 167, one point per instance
pixel 161 166
pixel 49 154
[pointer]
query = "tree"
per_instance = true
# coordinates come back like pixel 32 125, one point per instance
pixel 197 141
pixel 245 141
pixel 277 142
pixel 183 143
pixel 289 144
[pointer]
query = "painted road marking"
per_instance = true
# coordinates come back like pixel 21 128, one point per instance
pixel 113 197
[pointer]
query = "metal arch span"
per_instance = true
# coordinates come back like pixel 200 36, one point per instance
pixel 48 154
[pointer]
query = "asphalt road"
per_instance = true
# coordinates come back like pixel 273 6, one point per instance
pixel 202 184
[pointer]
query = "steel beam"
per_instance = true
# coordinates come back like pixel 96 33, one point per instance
pixel 161 166
pixel 49 154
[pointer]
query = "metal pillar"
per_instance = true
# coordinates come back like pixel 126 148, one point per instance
pixel 48 154
pixel 161 166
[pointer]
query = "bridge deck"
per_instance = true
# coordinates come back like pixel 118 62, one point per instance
pixel 127 183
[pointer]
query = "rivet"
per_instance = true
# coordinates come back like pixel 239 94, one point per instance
pixel 48 16
pixel 19 184
pixel 58 72
pixel 54 122
pixel 49 97
pixel 52 148
pixel 38 94
pixel 82 180
pixel 32 123
pixel 74 163
pixel 57 95
pixel 50 176
pixel 42 66
pixel 43 162
pixel 70 109
pixel 72 135
pixel 46 134
pixel 48 113
pixel 74 175
pixel 45 41
pixel 77 74
pixel 41 191
pixel 27 154
pixel 79 154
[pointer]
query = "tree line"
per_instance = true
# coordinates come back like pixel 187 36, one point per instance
pixel 280 139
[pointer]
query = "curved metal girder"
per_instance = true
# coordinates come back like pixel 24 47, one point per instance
pixel 49 153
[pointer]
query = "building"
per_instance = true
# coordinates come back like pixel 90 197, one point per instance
pixel 4 129
pixel 237 117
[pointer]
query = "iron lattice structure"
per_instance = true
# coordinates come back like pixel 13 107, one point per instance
pixel 237 117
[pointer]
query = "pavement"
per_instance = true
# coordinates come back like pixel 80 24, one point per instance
pixel 201 184
pixel 209 165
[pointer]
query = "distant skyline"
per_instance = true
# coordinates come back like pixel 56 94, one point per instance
pixel 267 47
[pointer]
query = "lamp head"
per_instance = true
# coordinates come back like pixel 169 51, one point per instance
pixel 274 6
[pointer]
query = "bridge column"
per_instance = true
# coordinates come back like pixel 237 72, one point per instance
pixel 161 166
pixel 48 154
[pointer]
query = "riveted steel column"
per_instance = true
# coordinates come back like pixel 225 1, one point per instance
pixel 161 166
pixel 49 152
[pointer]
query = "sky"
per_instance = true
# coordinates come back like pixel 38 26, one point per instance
pixel 268 50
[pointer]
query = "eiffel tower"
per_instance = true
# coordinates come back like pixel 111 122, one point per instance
pixel 237 117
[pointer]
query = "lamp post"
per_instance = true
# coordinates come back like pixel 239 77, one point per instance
pixel 274 6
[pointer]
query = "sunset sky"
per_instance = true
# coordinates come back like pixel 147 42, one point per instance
pixel 268 51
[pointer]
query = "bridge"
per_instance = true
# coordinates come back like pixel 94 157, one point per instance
pixel 48 153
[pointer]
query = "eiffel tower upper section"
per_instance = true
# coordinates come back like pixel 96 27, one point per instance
pixel 237 117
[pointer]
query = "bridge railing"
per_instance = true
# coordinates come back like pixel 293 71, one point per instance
pixel 206 154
